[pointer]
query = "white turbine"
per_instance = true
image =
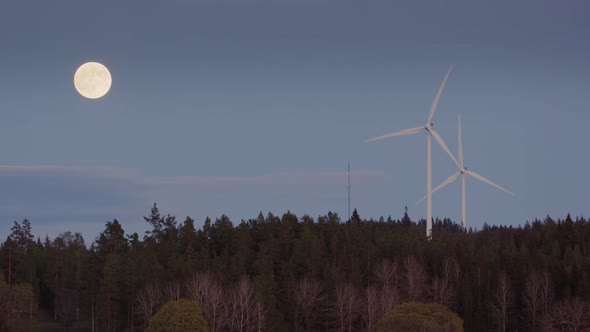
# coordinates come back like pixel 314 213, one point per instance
pixel 429 127
pixel 464 172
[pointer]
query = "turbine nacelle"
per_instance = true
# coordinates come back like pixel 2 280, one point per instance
pixel 463 173
pixel 431 134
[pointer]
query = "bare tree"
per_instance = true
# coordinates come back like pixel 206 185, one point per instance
pixel 502 301
pixel 571 315
pixel 372 310
pixel 415 279
pixel 532 299
pixel 444 290
pixel 388 299
pixel 260 316
pixel 148 300
pixel 242 306
pixel 308 298
pixel 346 305
pixel 204 289
pixel 546 298
pixel 384 294
pixel 215 307
pixel 388 276
pixel 172 291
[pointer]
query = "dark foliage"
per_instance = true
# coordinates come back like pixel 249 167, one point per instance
pixel 499 277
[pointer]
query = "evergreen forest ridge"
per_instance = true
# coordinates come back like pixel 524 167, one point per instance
pixel 293 273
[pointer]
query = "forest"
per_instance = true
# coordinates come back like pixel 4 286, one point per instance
pixel 297 273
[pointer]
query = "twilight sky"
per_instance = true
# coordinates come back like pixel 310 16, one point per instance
pixel 243 106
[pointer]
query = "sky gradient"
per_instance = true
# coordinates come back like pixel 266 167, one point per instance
pixel 238 107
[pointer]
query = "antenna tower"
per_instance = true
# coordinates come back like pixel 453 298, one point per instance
pixel 349 216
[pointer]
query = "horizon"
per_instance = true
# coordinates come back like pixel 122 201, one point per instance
pixel 90 238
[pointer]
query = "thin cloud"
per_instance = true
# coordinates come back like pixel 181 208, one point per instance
pixel 361 178
pixel 74 194
pixel 55 187
pixel 81 199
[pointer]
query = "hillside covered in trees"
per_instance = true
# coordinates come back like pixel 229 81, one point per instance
pixel 297 273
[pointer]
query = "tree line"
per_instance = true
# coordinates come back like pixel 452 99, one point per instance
pixel 293 273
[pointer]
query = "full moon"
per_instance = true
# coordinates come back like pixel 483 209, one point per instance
pixel 92 80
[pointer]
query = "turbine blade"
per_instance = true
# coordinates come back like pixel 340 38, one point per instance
pixel 440 186
pixel 481 178
pixel 397 133
pixel 444 146
pixel 437 97
pixel 460 144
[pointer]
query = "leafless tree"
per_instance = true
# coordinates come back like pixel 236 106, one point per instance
pixel 444 287
pixel 148 300
pixel 532 299
pixel 204 289
pixel 502 301
pixel 537 298
pixel 387 273
pixel 242 306
pixel 440 290
pixel 546 297
pixel 260 316
pixel 308 298
pixel 384 294
pixel 172 291
pixel 415 279
pixel 346 305
pixel 389 276
pixel 372 309
pixel 215 308
pixel 571 315
pixel 388 299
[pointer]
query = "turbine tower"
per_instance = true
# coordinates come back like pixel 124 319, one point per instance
pixel 429 128
pixel 464 172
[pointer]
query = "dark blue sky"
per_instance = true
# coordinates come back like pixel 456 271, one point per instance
pixel 240 106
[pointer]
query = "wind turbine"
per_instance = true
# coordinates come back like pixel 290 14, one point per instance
pixel 463 172
pixel 429 128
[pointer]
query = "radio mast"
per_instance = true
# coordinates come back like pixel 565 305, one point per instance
pixel 349 216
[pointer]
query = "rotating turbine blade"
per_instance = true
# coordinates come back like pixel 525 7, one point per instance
pixel 444 146
pixel 436 99
pixel 397 133
pixel 440 186
pixel 481 178
pixel 460 144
